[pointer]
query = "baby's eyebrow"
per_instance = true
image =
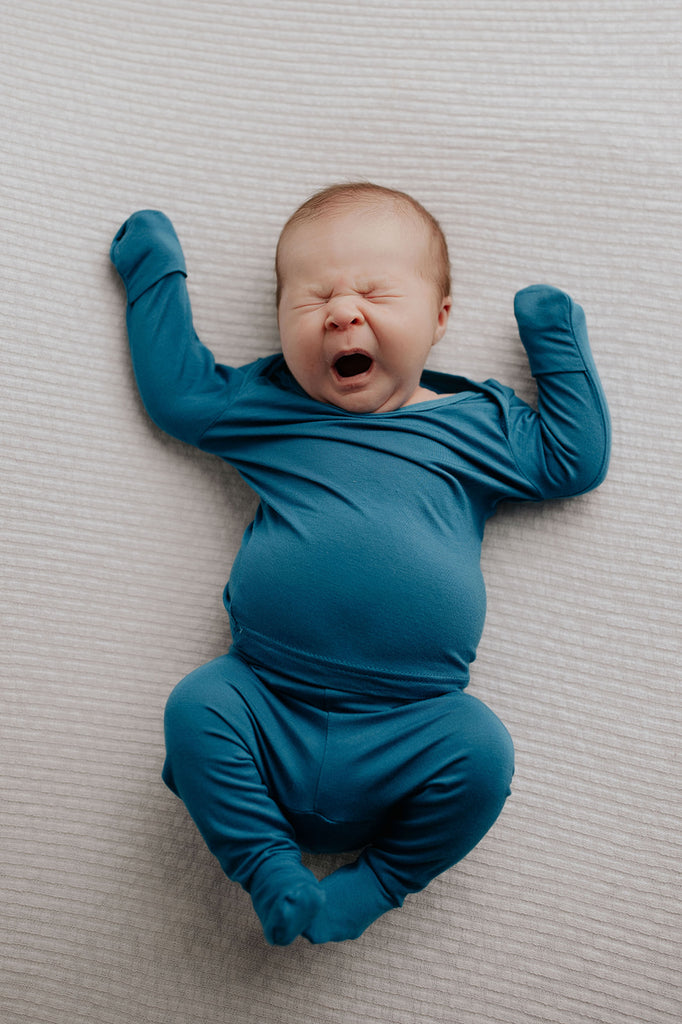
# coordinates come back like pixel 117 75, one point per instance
pixel 377 285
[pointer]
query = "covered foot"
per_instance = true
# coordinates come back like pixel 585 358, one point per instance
pixel 354 899
pixel 286 898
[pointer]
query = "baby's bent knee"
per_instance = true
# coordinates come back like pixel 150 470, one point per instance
pixel 482 758
pixel 203 707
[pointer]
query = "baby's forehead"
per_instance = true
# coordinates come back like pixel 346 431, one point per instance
pixel 350 217
pixel 379 207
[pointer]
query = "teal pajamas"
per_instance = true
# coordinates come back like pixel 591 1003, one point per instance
pixel 338 719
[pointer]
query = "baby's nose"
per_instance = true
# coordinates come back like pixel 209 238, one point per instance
pixel 342 314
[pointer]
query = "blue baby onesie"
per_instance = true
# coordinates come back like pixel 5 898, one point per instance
pixel 356 599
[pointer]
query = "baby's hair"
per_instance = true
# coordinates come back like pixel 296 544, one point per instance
pixel 354 192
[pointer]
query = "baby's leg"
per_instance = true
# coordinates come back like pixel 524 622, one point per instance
pixel 219 729
pixel 465 759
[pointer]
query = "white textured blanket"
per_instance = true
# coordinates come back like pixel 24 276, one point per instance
pixel 546 138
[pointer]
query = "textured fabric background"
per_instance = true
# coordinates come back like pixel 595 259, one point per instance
pixel 546 137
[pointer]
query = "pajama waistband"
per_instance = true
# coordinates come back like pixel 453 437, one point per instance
pixel 306 670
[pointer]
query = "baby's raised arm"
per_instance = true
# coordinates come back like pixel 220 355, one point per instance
pixel 182 387
pixel 563 449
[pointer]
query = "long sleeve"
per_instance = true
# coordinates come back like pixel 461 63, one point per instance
pixel 563 448
pixel 182 387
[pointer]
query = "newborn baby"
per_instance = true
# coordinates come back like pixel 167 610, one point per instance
pixel 338 719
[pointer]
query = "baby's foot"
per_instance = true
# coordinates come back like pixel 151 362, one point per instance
pixel 292 913
pixel 354 899
pixel 286 898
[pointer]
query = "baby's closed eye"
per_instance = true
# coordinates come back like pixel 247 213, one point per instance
pixel 312 303
pixel 378 291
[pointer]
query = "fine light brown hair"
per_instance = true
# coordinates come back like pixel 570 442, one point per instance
pixel 352 193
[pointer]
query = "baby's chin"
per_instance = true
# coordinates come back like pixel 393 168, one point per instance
pixel 363 394
pixel 367 404
pixel 369 400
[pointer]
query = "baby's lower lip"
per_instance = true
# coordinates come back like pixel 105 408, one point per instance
pixel 353 383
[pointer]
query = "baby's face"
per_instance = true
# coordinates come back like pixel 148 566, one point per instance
pixel 359 310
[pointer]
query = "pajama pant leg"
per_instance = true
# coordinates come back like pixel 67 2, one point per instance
pixel 462 776
pixel 227 745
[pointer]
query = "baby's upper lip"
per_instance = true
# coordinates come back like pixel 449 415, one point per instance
pixel 354 351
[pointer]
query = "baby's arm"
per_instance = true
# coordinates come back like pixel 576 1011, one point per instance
pixel 182 387
pixel 563 449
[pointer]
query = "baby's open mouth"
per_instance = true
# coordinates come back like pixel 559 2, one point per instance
pixel 352 365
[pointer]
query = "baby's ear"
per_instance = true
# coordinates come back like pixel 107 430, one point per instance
pixel 443 316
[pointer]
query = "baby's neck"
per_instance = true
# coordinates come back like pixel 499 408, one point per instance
pixel 424 395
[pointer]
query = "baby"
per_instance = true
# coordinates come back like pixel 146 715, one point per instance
pixel 338 720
